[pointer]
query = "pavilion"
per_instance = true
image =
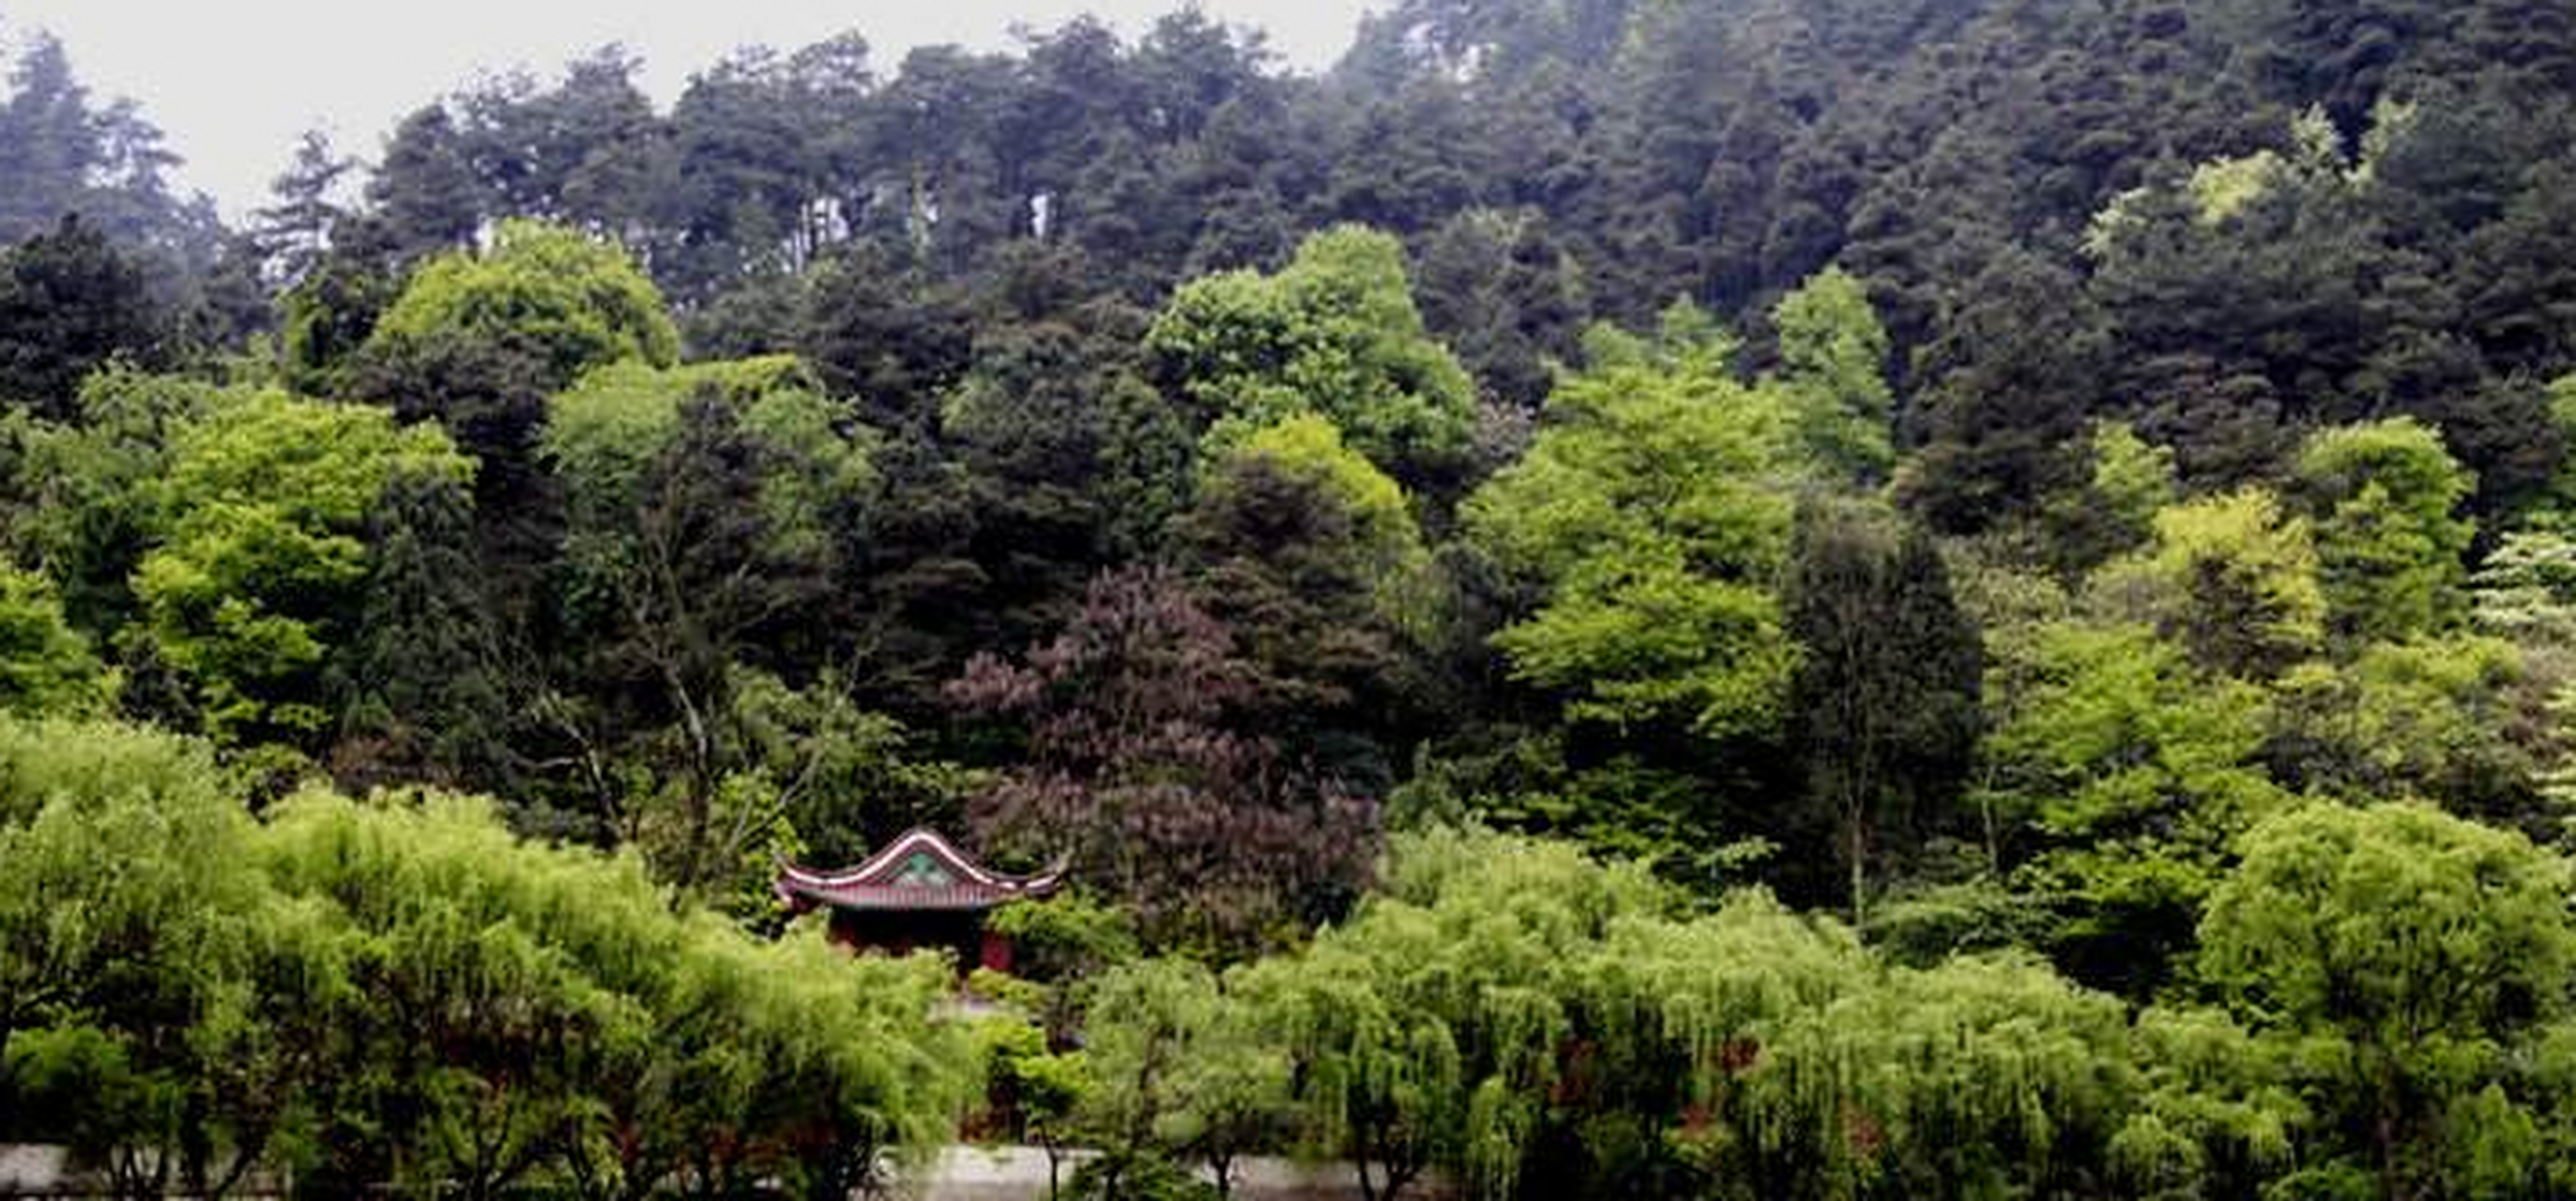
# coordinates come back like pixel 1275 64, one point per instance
pixel 918 892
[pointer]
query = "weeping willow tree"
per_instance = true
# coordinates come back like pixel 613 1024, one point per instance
pixel 1378 1085
pixel 541 1015
pixel 1979 1078
pixel 400 993
pixel 1535 1024
pixel 1689 1018
pixel 157 1004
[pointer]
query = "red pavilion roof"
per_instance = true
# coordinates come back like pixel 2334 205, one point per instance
pixel 919 871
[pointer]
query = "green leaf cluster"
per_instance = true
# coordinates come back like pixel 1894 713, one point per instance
pixel 576 302
pixel 1650 519
pixel 1335 332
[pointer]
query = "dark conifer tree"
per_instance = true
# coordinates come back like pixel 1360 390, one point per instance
pixel 70 302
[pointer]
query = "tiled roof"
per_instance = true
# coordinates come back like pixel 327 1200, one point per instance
pixel 919 871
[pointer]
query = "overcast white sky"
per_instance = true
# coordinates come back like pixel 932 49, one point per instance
pixel 233 82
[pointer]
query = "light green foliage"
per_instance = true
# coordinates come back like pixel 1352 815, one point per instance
pixel 1066 937
pixel 480 948
pixel 1833 368
pixel 71 923
pixel 1423 1030
pixel 402 987
pixel 1624 809
pixel 171 1002
pixel 2409 962
pixel 808 1067
pixel 577 1000
pixel 802 774
pixel 1041 1093
pixel 2526 589
pixel 2227 187
pixel 703 503
pixel 88 504
pixel 2431 719
pixel 2133 772
pixel 2218 191
pixel 1180 1070
pixel 1335 332
pixel 2217 1112
pixel 1650 516
pixel 576 302
pixel 1308 449
pixel 2115 511
pixel 1526 1019
pixel 45 666
pixel 606 433
pixel 254 582
pixel 1976 1074
pixel 1059 948
pixel 847 778
pixel 2387 497
pixel 2133 476
pixel 2231 578
pixel 92 1096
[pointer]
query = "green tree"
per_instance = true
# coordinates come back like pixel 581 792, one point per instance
pixel 704 506
pixel 1336 333
pixel 2231 578
pixel 2433 719
pixel 2407 960
pixel 2526 589
pixel 63 151
pixel 1313 555
pixel 325 319
pixel 575 303
pixel 604 435
pixel 162 1016
pixel 542 1014
pixel 844 779
pixel 1504 293
pixel 2115 511
pixel 421 693
pixel 1648 520
pixel 2215 1114
pixel 1534 1023
pixel 2389 532
pixel 85 497
pixel 2005 389
pixel 425 190
pixel 256 581
pixel 296 228
pixel 46 667
pixel 1180 1072
pixel 2132 773
pixel 1041 1091
pixel 1886 694
pixel 1833 364
pixel 70 303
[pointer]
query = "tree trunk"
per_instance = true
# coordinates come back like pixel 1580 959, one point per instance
pixel 1857 847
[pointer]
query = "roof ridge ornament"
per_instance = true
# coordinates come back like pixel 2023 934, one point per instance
pixel 919 869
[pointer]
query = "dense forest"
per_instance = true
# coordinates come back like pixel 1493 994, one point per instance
pixel 1820 599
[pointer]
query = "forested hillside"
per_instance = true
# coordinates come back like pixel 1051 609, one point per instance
pixel 1735 598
